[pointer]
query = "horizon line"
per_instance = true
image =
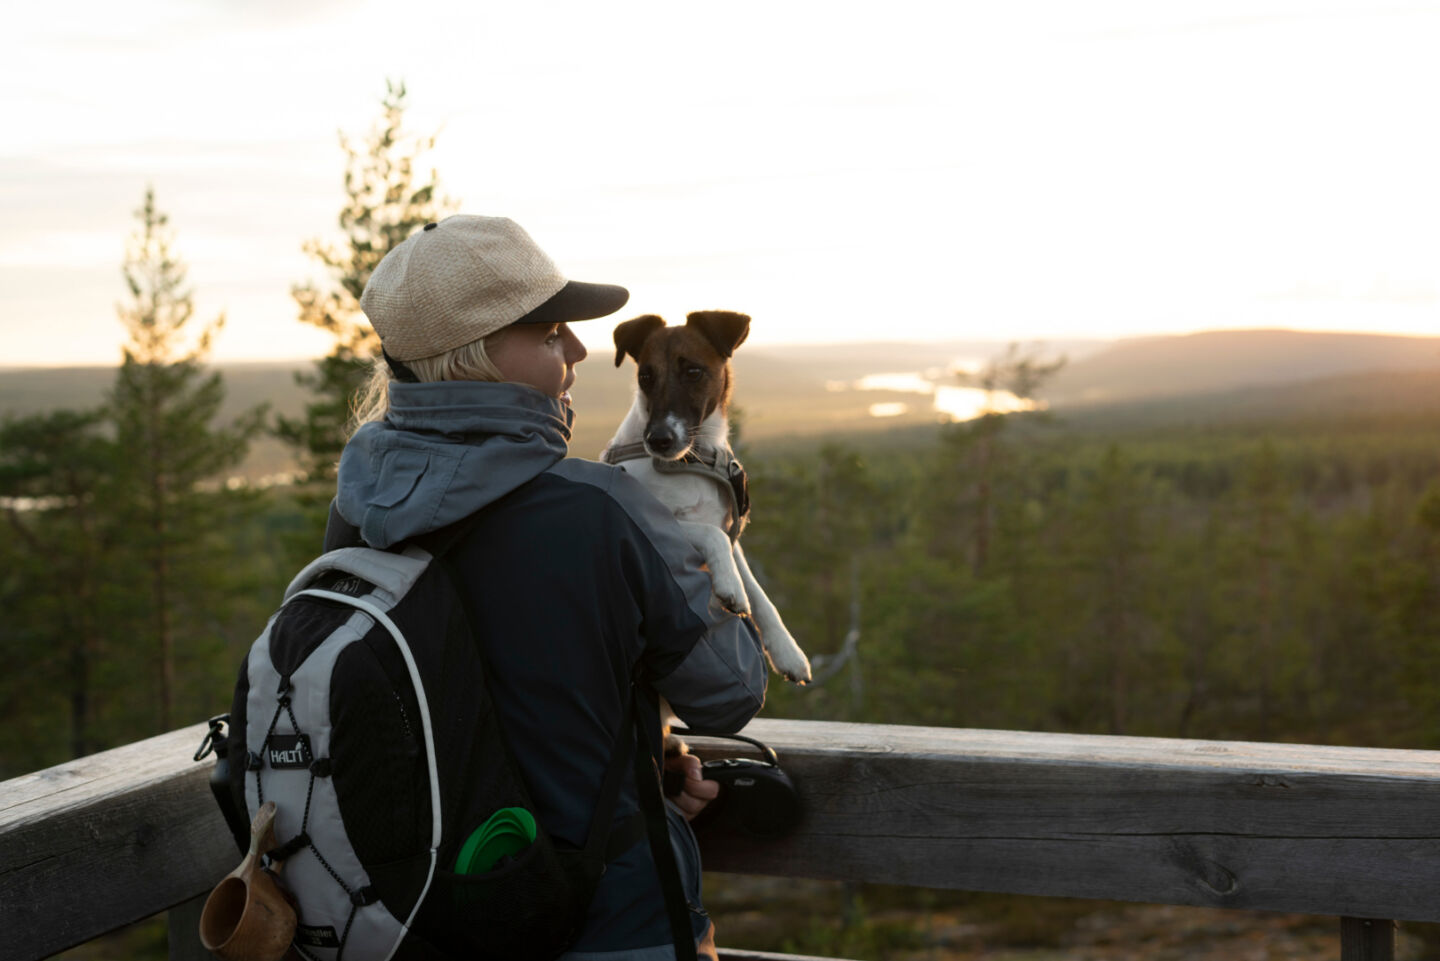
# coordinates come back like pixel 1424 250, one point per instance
pixel 793 345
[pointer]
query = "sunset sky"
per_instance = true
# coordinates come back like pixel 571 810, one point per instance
pixel 841 171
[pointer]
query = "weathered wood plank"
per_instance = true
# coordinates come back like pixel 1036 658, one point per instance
pixel 106 840
pixel 89 846
pixel 1319 830
pixel 740 954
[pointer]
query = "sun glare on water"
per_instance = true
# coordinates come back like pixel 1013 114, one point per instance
pixel 968 403
pixel 906 383
pixel 948 402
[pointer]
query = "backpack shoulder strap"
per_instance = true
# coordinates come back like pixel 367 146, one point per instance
pixel 652 805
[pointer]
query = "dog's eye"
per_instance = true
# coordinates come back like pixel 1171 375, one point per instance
pixel 693 374
pixel 646 379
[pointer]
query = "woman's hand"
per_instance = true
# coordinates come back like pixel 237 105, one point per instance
pixel 696 791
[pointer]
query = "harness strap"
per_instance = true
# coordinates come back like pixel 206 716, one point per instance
pixel 717 463
pixel 614 455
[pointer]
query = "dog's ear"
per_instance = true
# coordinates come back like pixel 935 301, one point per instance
pixel 631 336
pixel 725 329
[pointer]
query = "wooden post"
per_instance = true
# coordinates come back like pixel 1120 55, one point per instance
pixel 1366 939
pixel 184 934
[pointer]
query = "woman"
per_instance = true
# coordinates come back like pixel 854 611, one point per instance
pixel 582 580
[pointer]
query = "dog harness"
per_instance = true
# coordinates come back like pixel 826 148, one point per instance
pixel 710 461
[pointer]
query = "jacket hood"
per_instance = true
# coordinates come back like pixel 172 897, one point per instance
pixel 443 451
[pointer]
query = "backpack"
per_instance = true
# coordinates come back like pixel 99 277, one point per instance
pixel 362 710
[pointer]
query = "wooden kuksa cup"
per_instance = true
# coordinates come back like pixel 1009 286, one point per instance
pixel 247 917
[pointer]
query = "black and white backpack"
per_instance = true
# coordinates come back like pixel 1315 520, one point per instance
pixel 362 710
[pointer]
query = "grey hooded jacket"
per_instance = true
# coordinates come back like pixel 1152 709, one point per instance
pixel 581 579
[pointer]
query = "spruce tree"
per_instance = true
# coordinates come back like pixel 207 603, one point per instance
pixel 55 469
pixel 386 201
pixel 165 405
pixel 1022 374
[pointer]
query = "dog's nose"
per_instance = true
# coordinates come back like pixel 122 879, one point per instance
pixel 659 443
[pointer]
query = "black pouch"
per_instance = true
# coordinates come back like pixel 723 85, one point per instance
pixel 529 907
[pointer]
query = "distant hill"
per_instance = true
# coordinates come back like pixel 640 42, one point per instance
pixel 29 390
pixel 26 390
pixel 1392 399
pixel 853 361
pixel 1155 367
pixel 800 394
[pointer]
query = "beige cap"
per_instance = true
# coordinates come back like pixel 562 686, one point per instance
pixel 466 277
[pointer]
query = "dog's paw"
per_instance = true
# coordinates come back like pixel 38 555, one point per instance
pixel 789 661
pixel 800 674
pixel 730 592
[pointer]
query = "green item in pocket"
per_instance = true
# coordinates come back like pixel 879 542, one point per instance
pixel 507 831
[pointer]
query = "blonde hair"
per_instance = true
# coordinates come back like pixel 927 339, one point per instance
pixel 466 362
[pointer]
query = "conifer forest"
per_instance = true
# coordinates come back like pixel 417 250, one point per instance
pixel 1274 577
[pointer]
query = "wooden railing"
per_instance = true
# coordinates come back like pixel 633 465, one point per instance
pixel 92 845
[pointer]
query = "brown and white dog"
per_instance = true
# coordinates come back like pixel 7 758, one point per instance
pixel 676 441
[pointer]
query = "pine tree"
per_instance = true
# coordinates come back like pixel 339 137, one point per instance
pixel 164 406
pixel 386 201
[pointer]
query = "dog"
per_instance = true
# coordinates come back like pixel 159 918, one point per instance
pixel 676 441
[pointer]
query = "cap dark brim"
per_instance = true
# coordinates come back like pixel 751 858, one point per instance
pixel 578 301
